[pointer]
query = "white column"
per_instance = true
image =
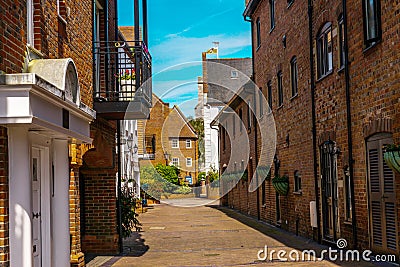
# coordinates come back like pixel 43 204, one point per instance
pixel 20 187
pixel 60 205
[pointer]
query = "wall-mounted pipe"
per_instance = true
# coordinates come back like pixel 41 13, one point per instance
pixel 313 116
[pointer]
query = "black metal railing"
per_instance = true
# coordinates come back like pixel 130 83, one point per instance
pixel 122 71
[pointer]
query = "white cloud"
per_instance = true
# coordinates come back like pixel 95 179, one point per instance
pixel 179 49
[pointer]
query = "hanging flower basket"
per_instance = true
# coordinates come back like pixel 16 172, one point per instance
pixel 392 157
pixel 281 185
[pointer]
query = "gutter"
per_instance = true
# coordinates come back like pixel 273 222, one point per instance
pixel 349 129
pixel 313 115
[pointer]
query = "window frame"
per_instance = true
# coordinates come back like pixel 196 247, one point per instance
pixel 294 76
pixel 324 57
pixel 190 143
pixel 191 162
pixel 177 160
pixel 280 88
pixel 269 91
pixel 369 42
pixel 261 102
pixel 172 143
pixel 258 33
pixel 272 14
pixel 241 119
pixel 62 10
pixel 249 115
pixel 297 181
pixel 341 35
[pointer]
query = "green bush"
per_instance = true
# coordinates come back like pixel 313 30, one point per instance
pixel 129 217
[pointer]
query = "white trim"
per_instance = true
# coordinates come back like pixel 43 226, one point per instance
pixel 177 160
pixel 191 162
pixel 177 142
pixel 190 143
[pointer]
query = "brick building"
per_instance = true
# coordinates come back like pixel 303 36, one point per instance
pixel 168 138
pixel 333 91
pixel 67 204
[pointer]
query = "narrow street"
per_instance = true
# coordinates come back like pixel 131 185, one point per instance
pixel 207 236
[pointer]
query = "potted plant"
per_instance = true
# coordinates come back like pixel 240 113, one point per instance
pixel 281 184
pixel 392 157
pixel 127 81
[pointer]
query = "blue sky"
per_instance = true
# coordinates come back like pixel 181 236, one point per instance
pixel 179 31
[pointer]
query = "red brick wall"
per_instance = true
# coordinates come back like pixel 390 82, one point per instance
pixel 293 118
pixel 12 35
pixel 99 174
pixel 4 211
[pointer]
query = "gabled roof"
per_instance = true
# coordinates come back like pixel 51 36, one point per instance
pixel 185 119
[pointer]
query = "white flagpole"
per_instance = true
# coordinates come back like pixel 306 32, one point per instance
pixel 216 45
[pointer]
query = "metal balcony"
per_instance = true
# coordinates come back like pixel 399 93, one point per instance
pixel 122 80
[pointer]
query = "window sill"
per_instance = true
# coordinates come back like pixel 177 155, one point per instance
pixel 294 97
pixel 325 75
pixel 258 47
pixel 280 107
pixel 371 47
pixel 290 4
pixel 298 193
pixel 341 69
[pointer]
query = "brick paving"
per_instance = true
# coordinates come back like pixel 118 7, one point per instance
pixel 207 236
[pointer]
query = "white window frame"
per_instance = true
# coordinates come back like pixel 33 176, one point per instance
pixel 234 74
pixel 173 145
pixel 187 162
pixel 188 141
pixel 175 161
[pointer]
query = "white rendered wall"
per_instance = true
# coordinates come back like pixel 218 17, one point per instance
pixel 210 138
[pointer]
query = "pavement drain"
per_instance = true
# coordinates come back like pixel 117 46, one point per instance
pixel 157 228
pixel 171 237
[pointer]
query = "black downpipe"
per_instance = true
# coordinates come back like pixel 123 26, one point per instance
pixel 145 33
pixel 137 44
pixel 255 125
pixel 313 115
pixel 106 36
pixel 349 129
pixel 94 26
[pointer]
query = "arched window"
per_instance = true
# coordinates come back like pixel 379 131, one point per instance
pixel 324 51
pixel 293 76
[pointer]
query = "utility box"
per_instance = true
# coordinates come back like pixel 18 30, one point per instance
pixel 313 214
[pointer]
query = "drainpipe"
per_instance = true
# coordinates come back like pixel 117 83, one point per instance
pixel 94 26
pixel 119 181
pixel 313 115
pixel 119 178
pixel 144 11
pixel 255 126
pixel 349 129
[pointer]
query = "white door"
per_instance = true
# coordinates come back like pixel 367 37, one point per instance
pixel 36 211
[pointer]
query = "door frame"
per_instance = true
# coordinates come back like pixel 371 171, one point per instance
pixel 45 196
pixel 334 190
pixel 379 137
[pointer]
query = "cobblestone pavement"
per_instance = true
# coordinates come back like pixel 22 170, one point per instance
pixel 207 236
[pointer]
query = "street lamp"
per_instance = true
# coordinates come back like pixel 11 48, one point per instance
pixel 166 156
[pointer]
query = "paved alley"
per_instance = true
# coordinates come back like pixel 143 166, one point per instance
pixel 206 236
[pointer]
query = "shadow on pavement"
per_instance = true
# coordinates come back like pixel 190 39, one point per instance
pixel 134 246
